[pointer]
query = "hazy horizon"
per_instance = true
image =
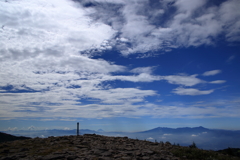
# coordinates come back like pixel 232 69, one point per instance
pixel 209 139
pixel 34 128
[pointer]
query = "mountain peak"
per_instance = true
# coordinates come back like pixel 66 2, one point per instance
pixel 200 127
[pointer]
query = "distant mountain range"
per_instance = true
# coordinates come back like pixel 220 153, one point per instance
pixel 214 139
pixel 177 130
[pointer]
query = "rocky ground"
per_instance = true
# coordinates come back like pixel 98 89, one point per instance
pixel 88 147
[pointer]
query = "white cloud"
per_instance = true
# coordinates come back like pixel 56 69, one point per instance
pixel 31 128
pixel 218 82
pixel 211 73
pixel 191 91
pixel 151 28
pixel 143 77
pixel 194 135
pixel 41 40
pixel 68 110
pixel 46 49
pixel 166 134
pixel 55 28
pixel 147 70
pixel 40 46
pixel 189 5
pixel 231 19
pixel 121 95
pixel 213 109
pixel 12 129
pixel 60 99
pixel 231 58
pixel 183 80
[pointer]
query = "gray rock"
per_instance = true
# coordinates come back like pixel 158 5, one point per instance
pixel 87 147
pixel 52 157
pixel 72 157
pixel 8 158
pixel 126 158
pixel 106 154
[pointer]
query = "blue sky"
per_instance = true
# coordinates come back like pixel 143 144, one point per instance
pixel 119 65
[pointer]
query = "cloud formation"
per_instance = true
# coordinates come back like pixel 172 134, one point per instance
pixel 218 82
pixel 183 80
pixel 211 73
pixel 191 91
pixel 130 26
pixel 144 26
pixel 47 50
pixel 142 70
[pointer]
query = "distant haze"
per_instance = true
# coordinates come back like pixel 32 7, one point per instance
pixel 204 138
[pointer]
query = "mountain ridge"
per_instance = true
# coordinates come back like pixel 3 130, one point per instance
pixel 4 137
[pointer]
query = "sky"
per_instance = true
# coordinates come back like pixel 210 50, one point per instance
pixel 119 65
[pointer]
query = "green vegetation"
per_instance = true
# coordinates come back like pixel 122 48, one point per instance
pixel 193 145
pixel 193 153
pixel 230 151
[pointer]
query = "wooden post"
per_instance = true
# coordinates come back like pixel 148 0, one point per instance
pixel 78 129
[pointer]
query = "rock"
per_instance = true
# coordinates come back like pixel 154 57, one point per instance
pixel 8 158
pixel 87 147
pixel 5 151
pixel 23 149
pixel 106 154
pixel 72 157
pixel 51 157
pixel 148 152
pixel 105 158
pixel 129 153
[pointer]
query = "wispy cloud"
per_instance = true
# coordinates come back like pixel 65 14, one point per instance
pixel 58 95
pixel 47 54
pixel 231 58
pixel 183 80
pixel 216 108
pixel 218 82
pixel 194 135
pixel 31 128
pixel 130 26
pixel 12 129
pixel 191 91
pixel 211 73
pixel 148 27
pixel 167 134
pixel 147 70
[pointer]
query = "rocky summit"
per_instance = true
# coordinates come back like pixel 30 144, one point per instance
pixel 86 147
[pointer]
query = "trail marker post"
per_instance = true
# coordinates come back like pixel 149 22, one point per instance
pixel 78 129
